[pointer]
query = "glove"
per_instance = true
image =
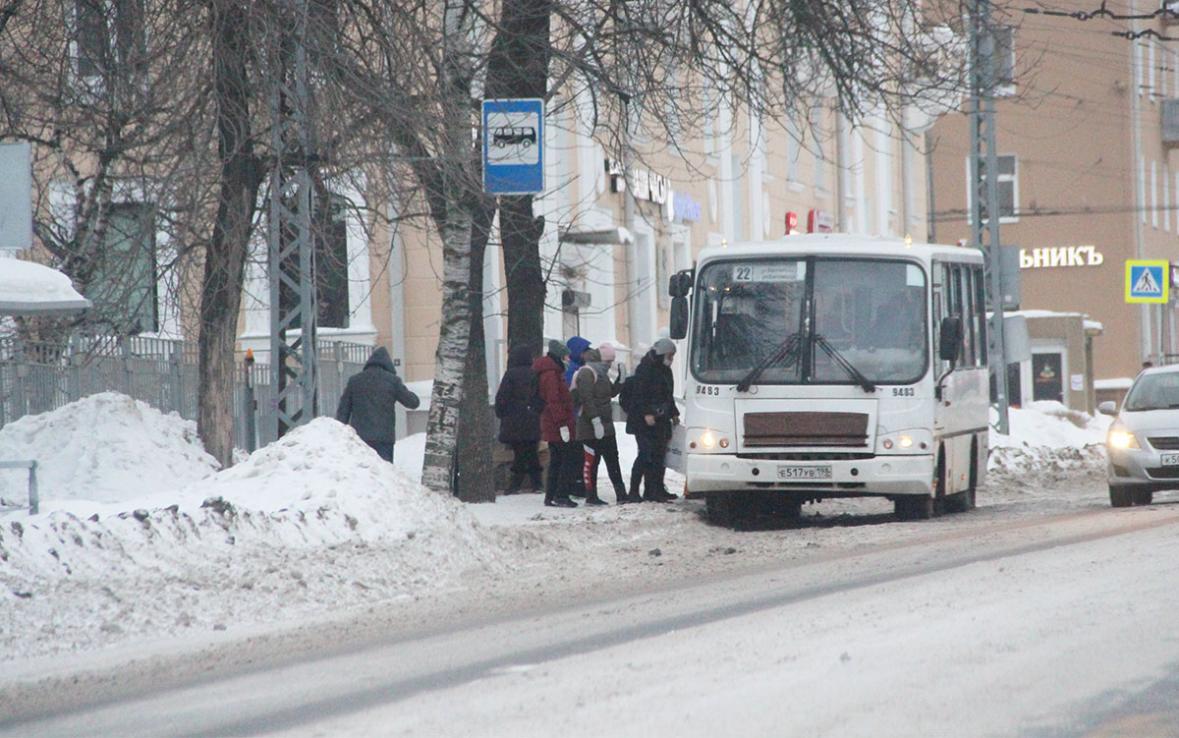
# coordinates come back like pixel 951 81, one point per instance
pixel 599 428
pixel 565 433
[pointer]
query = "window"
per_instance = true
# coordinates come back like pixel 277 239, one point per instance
pixel 866 313
pixel 331 265
pixel 1008 188
pixel 123 288
pixel 1154 194
pixel 793 148
pixel 1004 60
pixel 816 136
pixel 109 38
pixel 959 292
pixel 330 233
pixel 740 219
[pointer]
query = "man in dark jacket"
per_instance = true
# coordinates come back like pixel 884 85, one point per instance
pixel 369 403
pixel 556 426
pixel 651 422
pixel 519 426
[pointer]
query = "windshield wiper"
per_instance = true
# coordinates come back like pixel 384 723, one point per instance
pixel 788 349
pixel 842 362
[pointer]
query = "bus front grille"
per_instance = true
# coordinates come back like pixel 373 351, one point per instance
pixel 794 429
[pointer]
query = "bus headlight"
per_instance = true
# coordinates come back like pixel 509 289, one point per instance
pixel 706 439
pixel 1121 439
pixel 909 441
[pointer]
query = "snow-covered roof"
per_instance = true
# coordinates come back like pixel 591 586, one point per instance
pixel 27 288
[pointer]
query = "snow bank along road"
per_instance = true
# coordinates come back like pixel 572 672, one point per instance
pixel 1046 626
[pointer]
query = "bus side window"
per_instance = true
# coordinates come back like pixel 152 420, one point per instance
pixel 970 350
pixel 980 314
pixel 941 288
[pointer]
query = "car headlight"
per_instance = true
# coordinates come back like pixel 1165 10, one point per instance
pixel 1121 439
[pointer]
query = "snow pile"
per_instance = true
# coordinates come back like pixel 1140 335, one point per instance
pixel 104 448
pixel 318 485
pixel 1049 438
pixel 310 523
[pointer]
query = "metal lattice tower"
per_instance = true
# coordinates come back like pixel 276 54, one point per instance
pixel 984 177
pixel 293 368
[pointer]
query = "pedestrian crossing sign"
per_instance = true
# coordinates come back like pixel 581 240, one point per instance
pixel 1147 280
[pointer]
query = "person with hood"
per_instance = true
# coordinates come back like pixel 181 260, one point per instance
pixel 556 426
pixel 369 403
pixel 595 423
pixel 577 346
pixel 519 425
pixel 655 413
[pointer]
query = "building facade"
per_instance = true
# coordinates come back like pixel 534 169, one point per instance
pixel 615 232
pixel 1087 181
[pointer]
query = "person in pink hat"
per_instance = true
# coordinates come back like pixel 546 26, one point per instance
pixel 594 390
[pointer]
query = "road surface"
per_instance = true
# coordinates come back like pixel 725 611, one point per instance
pixel 1062 625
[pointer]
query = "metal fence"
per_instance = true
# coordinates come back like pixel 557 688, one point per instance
pixel 36 378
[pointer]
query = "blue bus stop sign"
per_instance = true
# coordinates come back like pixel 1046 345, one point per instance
pixel 513 146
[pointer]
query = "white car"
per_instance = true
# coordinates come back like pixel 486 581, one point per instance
pixel 1143 440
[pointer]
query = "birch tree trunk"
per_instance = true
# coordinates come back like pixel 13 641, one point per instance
pixel 453 219
pixel 225 257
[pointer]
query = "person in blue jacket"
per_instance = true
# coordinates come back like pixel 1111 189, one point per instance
pixel 576 345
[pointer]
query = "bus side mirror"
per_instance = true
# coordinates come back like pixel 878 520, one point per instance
pixel 679 318
pixel 680 283
pixel 950 339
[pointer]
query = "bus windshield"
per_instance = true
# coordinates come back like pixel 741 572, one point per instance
pixel 871 313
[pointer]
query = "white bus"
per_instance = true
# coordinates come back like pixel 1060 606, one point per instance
pixel 830 365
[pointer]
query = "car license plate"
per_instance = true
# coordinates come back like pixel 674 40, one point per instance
pixel 793 473
pixel 1169 459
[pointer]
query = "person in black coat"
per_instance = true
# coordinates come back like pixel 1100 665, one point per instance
pixel 654 414
pixel 369 403
pixel 519 426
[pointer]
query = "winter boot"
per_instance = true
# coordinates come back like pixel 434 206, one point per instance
pixel 620 495
pixel 514 485
pixel 595 501
pixel 560 502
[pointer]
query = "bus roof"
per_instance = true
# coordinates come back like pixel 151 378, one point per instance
pixel 841 244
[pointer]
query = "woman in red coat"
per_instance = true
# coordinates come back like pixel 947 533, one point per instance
pixel 556 426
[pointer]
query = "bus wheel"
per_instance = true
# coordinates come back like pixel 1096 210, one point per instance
pixel 721 508
pixel 914 507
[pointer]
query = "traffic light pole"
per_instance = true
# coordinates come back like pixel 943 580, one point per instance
pixel 985 205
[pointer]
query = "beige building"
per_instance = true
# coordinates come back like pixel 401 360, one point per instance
pixel 1086 178
pixel 741 179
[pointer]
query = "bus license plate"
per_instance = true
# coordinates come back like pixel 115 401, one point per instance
pixel 792 473
pixel 1169 459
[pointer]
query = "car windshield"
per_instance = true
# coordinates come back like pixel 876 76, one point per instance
pixel 870 312
pixel 1154 392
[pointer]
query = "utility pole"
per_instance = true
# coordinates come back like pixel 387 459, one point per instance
pixel 984 181
pixel 293 368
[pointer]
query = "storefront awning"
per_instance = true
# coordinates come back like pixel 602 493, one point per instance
pixel 605 236
pixel 27 288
